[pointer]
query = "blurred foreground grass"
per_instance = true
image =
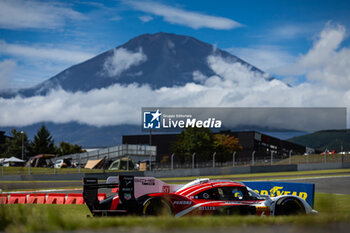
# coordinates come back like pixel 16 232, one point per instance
pixel 40 218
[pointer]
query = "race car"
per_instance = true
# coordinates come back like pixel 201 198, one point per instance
pixel 149 196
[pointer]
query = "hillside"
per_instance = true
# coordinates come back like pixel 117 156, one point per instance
pixel 159 60
pixel 325 139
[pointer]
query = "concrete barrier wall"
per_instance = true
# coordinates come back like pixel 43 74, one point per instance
pixel 220 171
pixel 183 172
pixel 75 176
pixel 318 166
pixel 278 168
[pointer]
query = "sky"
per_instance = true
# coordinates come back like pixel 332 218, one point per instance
pixel 303 43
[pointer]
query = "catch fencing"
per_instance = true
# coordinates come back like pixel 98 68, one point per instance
pixel 134 152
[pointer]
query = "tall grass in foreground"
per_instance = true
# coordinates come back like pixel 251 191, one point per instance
pixel 40 218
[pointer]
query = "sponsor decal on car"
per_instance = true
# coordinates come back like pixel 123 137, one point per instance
pixel 182 202
pixel 145 181
pixel 274 189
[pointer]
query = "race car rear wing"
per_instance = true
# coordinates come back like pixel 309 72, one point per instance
pixel 129 189
pixel 90 194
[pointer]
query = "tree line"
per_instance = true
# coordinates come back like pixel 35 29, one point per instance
pixel 204 143
pixel 42 143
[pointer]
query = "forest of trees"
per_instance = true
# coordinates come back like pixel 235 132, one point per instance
pixel 43 143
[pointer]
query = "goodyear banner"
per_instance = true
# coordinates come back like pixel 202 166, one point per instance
pixel 303 190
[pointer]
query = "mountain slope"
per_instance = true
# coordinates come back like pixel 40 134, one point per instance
pixel 325 139
pixel 160 60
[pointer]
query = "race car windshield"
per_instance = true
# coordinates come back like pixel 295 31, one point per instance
pixel 233 193
pixel 225 193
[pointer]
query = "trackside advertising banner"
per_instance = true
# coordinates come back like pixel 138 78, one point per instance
pixel 303 190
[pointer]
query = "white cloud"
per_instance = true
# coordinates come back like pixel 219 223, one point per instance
pixel 43 53
pixel 234 85
pixel 326 62
pixel 6 73
pixel 21 14
pixel 146 18
pixel 292 31
pixel 264 57
pixel 116 18
pixel 182 17
pixel 198 76
pixel 121 60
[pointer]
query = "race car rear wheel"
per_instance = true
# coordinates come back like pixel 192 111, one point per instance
pixel 289 206
pixel 157 207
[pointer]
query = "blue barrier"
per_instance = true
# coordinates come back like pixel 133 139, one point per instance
pixel 303 190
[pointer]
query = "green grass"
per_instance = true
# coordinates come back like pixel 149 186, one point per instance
pixel 35 218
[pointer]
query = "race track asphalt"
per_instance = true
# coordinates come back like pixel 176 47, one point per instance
pixel 324 183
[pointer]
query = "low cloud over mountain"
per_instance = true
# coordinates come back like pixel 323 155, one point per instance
pixel 171 70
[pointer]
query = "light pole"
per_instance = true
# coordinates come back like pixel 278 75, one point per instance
pixel 22 145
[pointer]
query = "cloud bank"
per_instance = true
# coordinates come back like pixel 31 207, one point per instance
pixel 21 14
pixel 6 69
pixel 182 17
pixel 121 60
pixel 234 85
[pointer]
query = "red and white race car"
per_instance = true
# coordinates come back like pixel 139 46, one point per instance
pixel 150 196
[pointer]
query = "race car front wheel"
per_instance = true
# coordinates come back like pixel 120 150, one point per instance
pixel 156 207
pixel 289 206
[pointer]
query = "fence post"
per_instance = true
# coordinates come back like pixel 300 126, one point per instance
pixel 214 158
pixel 127 163
pixel 253 157
pixel 233 159
pixel 271 152
pixel 193 160
pixel 54 165
pixel 290 157
pixel 172 161
pixel 79 167
pixel 150 162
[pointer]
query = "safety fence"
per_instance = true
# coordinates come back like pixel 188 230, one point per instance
pixel 45 198
pixel 173 162
pixel 253 160
pixel 135 152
